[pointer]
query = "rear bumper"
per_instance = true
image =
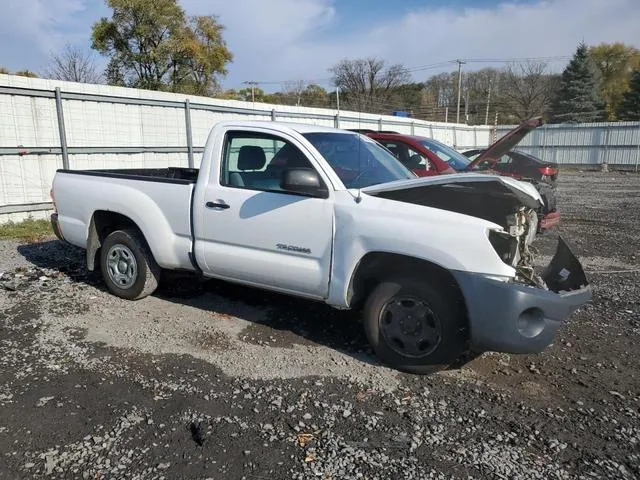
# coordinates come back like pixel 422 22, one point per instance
pixel 55 225
pixel 515 318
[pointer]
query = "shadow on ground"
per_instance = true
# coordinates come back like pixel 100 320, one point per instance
pixel 277 320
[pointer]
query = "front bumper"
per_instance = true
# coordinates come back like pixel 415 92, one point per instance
pixel 514 318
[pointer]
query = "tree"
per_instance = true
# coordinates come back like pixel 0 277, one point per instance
pixel 527 90
pixel 616 63
pixel 365 84
pixel 4 70
pixel 26 73
pixel 73 65
pixel 152 44
pixel 314 96
pixel 578 98
pixel 629 108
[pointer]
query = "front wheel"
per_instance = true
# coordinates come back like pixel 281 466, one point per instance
pixel 128 267
pixel 415 326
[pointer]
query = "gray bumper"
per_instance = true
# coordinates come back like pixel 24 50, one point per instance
pixel 514 318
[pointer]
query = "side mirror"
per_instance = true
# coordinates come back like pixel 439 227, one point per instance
pixel 304 181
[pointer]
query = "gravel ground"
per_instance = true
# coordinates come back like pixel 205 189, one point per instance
pixel 210 380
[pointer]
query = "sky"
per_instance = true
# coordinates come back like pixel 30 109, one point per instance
pixel 274 41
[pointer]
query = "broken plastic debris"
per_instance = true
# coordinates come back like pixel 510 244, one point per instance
pixel 304 438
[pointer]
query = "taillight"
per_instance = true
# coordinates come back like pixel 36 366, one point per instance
pixel 550 171
pixel 53 199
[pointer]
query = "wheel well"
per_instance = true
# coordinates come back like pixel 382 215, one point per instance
pixel 376 267
pixel 102 224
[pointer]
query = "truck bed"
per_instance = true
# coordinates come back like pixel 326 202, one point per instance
pixel 167 175
pixel 157 200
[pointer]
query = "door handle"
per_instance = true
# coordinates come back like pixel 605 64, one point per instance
pixel 220 205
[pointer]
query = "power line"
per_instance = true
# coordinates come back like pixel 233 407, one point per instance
pixel 427 67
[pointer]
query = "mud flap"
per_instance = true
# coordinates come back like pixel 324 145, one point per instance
pixel 564 273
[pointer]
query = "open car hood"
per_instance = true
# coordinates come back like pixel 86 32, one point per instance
pixel 524 192
pixel 506 143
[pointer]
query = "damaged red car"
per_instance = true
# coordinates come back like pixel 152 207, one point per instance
pixel 426 156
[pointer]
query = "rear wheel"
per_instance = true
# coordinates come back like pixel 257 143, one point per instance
pixel 415 326
pixel 128 267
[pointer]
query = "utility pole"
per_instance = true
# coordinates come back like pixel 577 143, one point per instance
pixel 253 84
pixel 338 99
pixel 486 115
pixel 466 107
pixel 446 114
pixel 459 62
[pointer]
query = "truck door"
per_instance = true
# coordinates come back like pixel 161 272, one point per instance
pixel 251 230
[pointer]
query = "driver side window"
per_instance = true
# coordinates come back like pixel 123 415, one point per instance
pixel 258 161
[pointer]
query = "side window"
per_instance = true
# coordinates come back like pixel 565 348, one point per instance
pixel 257 161
pixel 417 160
pixel 392 147
pixel 503 163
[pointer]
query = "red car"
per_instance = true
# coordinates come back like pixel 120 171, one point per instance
pixel 426 156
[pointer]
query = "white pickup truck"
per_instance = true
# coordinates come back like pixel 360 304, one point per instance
pixel 440 266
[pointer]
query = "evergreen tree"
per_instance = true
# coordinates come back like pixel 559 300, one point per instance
pixel 629 109
pixel 578 99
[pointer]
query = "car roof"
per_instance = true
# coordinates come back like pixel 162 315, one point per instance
pixel 279 125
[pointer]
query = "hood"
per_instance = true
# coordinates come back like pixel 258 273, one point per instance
pixel 524 192
pixel 506 143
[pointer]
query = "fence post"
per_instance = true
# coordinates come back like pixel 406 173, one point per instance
pixel 380 124
pixel 187 121
pixel 413 128
pixel 336 121
pixel 61 130
pixel 604 166
pixel 273 114
pixel 638 154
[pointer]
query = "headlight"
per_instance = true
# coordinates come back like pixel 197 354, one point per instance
pixel 505 246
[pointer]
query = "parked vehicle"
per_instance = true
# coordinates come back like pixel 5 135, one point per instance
pixel 520 165
pixel 427 157
pixel 440 266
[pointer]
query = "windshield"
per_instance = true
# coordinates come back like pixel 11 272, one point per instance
pixel 358 160
pixel 454 159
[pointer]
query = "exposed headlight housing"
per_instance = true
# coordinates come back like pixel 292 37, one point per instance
pixel 505 245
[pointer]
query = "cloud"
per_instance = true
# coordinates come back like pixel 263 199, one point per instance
pixel 30 29
pixel 280 41
pixel 302 39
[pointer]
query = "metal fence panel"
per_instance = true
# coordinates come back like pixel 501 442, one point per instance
pixel 586 144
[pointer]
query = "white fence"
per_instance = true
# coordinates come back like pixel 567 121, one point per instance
pixel 47 124
pixel 586 144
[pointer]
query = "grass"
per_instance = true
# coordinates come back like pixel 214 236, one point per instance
pixel 29 230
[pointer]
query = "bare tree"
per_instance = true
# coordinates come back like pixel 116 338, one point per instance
pixel 366 84
pixel 73 65
pixel 293 90
pixel 527 90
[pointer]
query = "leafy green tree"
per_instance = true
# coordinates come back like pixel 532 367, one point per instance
pixel 314 96
pixel 152 44
pixel 629 108
pixel 616 63
pixel 578 98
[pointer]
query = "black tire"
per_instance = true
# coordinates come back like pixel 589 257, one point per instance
pixel 448 312
pixel 142 280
